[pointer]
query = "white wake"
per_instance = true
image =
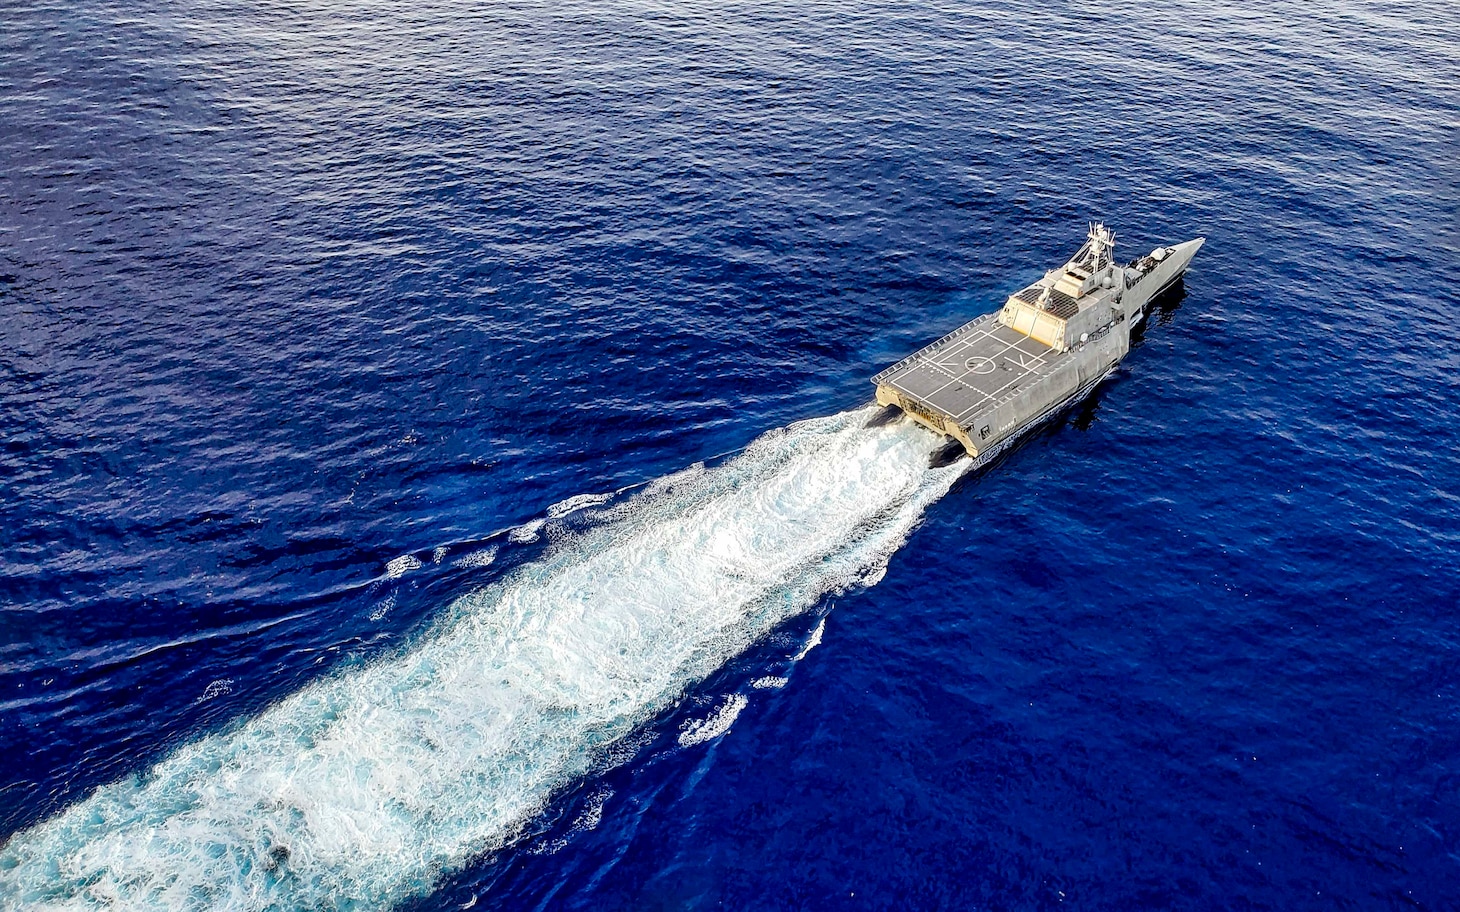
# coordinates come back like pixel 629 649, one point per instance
pixel 364 788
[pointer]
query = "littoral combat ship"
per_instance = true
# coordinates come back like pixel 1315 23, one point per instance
pixel 992 379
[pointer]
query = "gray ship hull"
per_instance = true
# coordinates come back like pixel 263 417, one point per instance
pixel 993 379
pixel 989 455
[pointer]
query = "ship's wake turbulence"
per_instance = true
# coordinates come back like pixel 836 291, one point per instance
pixel 361 789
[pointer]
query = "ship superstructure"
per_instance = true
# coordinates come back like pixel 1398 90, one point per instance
pixel 1050 344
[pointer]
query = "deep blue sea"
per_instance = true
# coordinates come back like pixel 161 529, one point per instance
pixel 433 471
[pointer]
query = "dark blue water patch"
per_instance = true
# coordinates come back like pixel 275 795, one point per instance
pixel 1013 731
pixel 576 842
pixel 288 294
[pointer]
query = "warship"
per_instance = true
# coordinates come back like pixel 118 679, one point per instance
pixel 989 381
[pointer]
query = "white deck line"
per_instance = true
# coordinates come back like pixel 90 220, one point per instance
pixel 944 361
pixel 995 396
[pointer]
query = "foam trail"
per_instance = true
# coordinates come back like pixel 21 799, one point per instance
pixel 362 789
pixel 812 641
pixel 402 565
pixel 717 723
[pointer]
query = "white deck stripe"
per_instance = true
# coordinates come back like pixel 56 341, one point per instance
pixel 946 363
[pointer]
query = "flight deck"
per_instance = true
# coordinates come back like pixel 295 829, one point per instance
pixel 971 370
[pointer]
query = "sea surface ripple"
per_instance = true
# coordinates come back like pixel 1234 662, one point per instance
pixel 333 336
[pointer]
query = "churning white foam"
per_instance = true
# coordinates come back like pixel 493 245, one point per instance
pixel 812 641
pixel 216 689
pixel 382 608
pixel 362 789
pixel 717 723
pixel 527 532
pixel 400 566
pixel 482 558
pixel 575 503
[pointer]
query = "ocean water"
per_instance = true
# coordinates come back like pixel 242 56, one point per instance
pixel 434 473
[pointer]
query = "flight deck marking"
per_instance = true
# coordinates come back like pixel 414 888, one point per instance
pixel 1016 381
pixel 996 397
pixel 1029 363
